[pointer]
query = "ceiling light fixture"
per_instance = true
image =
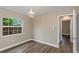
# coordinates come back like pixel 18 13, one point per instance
pixel 31 14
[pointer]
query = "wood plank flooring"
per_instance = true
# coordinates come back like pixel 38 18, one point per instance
pixel 36 47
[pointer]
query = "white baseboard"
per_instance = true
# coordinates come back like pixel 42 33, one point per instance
pixel 57 46
pixel 8 47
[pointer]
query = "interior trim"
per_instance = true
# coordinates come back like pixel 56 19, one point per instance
pixel 11 46
pixel 53 45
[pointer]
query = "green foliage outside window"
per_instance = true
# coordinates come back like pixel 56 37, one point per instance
pixel 7 22
pixel 11 22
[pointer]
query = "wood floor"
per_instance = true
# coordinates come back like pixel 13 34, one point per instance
pixel 36 47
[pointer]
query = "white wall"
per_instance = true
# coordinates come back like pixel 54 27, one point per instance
pixel 78 32
pixel 13 39
pixel 77 11
pixel 66 27
pixel 45 26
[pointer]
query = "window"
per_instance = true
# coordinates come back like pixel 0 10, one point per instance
pixel 11 26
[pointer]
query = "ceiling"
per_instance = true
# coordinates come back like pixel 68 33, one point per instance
pixel 39 10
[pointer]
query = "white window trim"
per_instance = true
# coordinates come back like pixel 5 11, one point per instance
pixel 10 26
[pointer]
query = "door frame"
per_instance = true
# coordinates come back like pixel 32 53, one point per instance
pixel 74 30
pixel 58 27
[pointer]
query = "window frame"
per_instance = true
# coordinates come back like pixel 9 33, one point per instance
pixel 10 27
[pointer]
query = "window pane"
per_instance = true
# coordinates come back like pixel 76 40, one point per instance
pixel 10 30
pixel 10 22
pixel 5 21
pixel 15 30
pixel 5 31
pixel 19 29
pixel 17 22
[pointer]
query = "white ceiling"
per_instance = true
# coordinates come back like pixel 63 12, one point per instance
pixel 39 10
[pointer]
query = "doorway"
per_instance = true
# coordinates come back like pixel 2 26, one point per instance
pixel 66 27
pixel 65 32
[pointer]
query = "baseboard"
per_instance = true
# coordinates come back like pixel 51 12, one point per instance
pixel 47 43
pixel 8 47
